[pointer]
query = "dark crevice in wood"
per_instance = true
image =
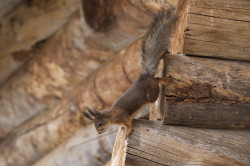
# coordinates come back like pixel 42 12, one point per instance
pixel 146 159
pixel 172 98
pixel 217 58
pixel 219 17
pixel 225 8
pixel 155 146
pixel 218 43
pixel 213 26
pixel 147 152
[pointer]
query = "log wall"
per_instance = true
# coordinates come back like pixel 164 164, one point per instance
pixel 218 29
pixel 207 92
pixel 209 86
pixel 152 144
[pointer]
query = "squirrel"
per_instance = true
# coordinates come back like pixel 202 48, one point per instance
pixel 145 89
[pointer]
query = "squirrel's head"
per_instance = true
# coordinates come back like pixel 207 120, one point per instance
pixel 101 119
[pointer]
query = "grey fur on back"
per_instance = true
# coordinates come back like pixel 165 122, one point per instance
pixel 157 41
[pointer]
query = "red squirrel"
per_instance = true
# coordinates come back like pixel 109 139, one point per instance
pixel 145 89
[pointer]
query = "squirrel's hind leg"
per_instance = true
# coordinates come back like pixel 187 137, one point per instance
pixel 128 126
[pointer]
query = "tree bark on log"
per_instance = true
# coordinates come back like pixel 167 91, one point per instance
pixel 40 135
pixel 86 147
pixel 67 58
pixel 206 93
pixel 180 146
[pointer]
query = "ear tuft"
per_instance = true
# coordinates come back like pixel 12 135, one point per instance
pixel 88 115
pixel 91 110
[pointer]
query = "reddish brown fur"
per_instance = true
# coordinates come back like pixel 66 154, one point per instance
pixel 146 88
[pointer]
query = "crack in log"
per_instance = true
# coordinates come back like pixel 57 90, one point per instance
pixel 146 159
pixel 219 17
pixel 217 42
pixel 156 146
pixel 173 98
pixel 215 58
pixel 210 26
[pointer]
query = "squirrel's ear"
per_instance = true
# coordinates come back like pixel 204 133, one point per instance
pixel 91 110
pixel 88 115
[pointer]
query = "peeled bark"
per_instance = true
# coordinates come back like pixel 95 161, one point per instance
pixel 68 57
pixel 40 135
pixel 211 93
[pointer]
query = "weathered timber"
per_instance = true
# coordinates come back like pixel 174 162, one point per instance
pixel 207 92
pixel 216 29
pixel 209 115
pixel 69 56
pixel 7 5
pixel 156 109
pixel 24 24
pixel 152 143
pixel 86 147
pixel 28 23
pixel 38 136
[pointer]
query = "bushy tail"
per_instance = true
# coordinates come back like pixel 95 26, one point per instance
pixel 157 41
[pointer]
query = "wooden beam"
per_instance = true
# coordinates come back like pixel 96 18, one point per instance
pixel 28 23
pixel 41 134
pixel 207 92
pixel 216 29
pixel 68 57
pixel 208 115
pixel 86 147
pixel 153 144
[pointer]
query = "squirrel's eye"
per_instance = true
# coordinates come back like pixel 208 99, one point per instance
pixel 100 124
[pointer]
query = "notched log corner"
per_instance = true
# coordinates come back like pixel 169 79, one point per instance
pixel 176 145
pixel 205 92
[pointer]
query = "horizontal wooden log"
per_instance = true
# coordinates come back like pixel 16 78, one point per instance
pixel 207 92
pixel 38 136
pixel 180 146
pixel 209 115
pixel 24 25
pixel 28 23
pixel 69 57
pixel 7 5
pixel 86 147
pixel 217 29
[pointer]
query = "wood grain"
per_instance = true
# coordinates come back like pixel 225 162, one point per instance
pixel 86 147
pixel 216 29
pixel 207 92
pixel 152 144
pixel 41 134
pixel 68 57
